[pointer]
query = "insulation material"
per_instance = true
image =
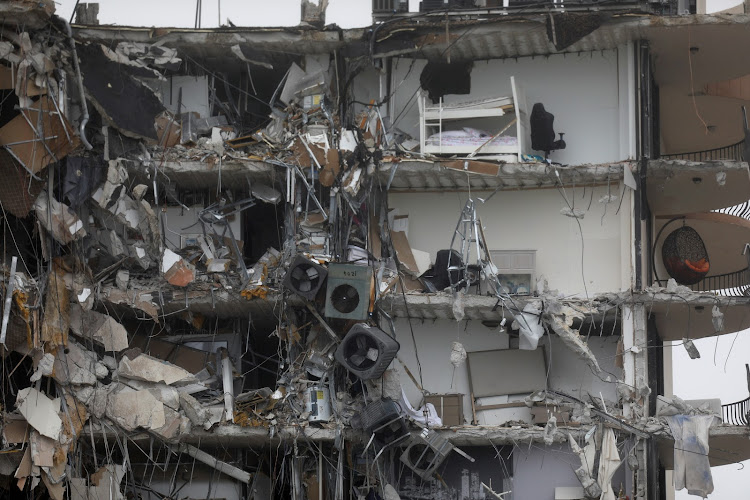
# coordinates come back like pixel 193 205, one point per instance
pixel 529 327
pixel 458 354
pixel 426 415
pixel 549 430
pixel 458 306
pixel 691 465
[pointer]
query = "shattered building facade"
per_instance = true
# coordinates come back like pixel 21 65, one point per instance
pixel 446 256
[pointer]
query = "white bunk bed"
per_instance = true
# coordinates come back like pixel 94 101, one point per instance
pixel 446 128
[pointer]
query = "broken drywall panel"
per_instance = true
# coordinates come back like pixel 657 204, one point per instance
pixel 144 367
pixel 101 328
pixel 40 412
pixel 49 139
pixel 58 219
pixel 299 81
pixel 133 409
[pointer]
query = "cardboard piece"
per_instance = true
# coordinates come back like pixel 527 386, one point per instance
pixel 449 408
pixel 403 250
pixel 16 431
pixel 473 166
pixel 168 129
pixel 60 137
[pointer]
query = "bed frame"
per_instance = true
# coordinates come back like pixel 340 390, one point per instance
pixel 433 117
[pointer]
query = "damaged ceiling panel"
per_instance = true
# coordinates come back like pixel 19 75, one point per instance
pixel 118 95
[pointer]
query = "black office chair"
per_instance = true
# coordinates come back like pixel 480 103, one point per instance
pixel 543 132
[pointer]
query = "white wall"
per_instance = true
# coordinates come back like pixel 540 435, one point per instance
pixel 194 94
pixel 177 218
pixel 567 372
pixel 537 470
pixel 530 220
pixel 581 90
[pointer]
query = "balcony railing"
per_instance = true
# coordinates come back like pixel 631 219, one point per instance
pixel 741 210
pixel 731 152
pixel 382 9
pixel 734 284
pixel 736 413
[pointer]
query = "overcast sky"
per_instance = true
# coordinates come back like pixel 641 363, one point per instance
pixel 181 13
pixel 703 378
pixel 719 373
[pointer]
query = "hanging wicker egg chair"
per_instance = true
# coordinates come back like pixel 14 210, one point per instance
pixel 685 256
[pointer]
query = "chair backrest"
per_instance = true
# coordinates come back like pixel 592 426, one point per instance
pixel 542 130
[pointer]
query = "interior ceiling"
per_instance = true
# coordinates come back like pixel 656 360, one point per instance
pixel 691 121
pixel 720 53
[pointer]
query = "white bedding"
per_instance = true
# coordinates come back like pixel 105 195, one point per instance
pixel 469 137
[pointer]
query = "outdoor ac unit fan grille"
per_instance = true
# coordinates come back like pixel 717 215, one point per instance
pixel 345 298
pixel 348 292
pixel 367 351
pixel 305 278
pixel 425 454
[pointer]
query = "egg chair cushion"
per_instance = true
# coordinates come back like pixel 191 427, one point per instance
pixel 685 256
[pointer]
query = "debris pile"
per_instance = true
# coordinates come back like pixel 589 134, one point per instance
pixel 201 266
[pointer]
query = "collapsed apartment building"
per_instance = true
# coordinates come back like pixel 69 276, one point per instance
pixel 250 263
